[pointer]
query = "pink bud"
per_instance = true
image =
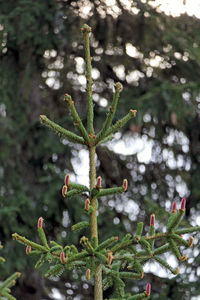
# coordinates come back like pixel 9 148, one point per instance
pixel 87 204
pixel 67 180
pixel 148 289
pixel 174 207
pixel 40 222
pixel 152 220
pixel 64 190
pixel 88 274
pixel 28 250
pixel 62 257
pixel 99 182
pixel 183 203
pixel 125 185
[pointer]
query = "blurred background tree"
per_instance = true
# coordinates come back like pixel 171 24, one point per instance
pixel 156 57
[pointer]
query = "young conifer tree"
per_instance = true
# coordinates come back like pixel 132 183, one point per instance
pixel 106 262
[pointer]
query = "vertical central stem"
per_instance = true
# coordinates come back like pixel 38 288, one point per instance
pixel 93 225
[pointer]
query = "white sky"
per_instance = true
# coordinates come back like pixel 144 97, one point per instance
pixel 178 7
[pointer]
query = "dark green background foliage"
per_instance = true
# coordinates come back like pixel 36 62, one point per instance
pixel 41 40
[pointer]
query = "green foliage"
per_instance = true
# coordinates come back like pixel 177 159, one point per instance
pixel 8 283
pixel 30 177
pixel 97 260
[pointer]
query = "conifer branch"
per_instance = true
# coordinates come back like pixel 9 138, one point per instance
pixel 77 120
pixel 187 230
pixel 120 123
pixel 86 31
pixel 26 242
pixel 110 115
pixel 9 282
pixel 70 136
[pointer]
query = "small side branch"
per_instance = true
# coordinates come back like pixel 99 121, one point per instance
pixel 110 115
pixel 86 31
pixel 70 136
pixel 120 123
pixel 77 120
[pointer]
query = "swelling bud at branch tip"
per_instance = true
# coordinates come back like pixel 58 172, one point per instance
pixel 174 207
pixel 88 274
pixel 40 223
pixel 152 220
pixel 125 185
pixel 98 186
pixel 183 204
pixel 62 257
pixel 67 180
pixel 64 190
pixel 87 204
pixel 28 250
pixel 110 258
pixel 148 289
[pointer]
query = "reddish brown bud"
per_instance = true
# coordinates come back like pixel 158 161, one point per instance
pixel 40 222
pixel 183 203
pixel 98 182
pixel 62 257
pixel 148 289
pixel 28 250
pixel 174 207
pixel 64 190
pixel 87 204
pixel 116 238
pixel 152 220
pixel 110 258
pixel 125 185
pixel 86 28
pixel 67 180
pixel 191 241
pixel 88 274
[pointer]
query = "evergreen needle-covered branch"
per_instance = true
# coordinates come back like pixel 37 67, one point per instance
pixel 26 242
pixel 70 136
pixel 86 32
pixel 76 118
pixel 120 123
pixel 108 121
pixel 10 281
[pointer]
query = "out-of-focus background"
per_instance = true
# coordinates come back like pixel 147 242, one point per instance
pixel 153 49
